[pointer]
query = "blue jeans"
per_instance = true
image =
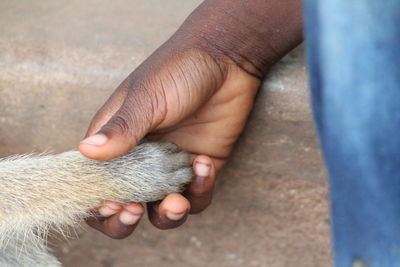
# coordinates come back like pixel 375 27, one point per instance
pixel 354 64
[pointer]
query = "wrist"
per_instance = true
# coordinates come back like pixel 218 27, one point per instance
pixel 253 34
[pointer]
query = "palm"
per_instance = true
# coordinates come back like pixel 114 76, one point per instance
pixel 214 127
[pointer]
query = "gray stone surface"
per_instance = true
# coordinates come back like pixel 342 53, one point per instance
pixel 59 62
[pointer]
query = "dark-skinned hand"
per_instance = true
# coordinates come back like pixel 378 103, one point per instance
pixel 197 91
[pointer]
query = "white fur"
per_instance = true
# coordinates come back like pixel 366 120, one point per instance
pixel 42 192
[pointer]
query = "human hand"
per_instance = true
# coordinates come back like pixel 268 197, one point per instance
pixel 191 92
pixel 187 99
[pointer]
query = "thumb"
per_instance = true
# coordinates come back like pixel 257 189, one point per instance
pixel 139 113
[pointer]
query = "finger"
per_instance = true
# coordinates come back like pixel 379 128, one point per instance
pixel 138 114
pixel 109 208
pixel 169 213
pixel 102 116
pixel 121 224
pixel 101 213
pixel 200 190
pixel 109 108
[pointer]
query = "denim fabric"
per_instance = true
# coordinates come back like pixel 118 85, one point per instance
pixel 353 49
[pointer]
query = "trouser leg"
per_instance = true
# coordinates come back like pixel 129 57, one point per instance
pixel 353 49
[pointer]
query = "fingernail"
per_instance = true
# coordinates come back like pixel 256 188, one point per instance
pixel 95 140
pixel 201 169
pixel 128 218
pixel 133 208
pixel 107 211
pixel 113 205
pixel 174 216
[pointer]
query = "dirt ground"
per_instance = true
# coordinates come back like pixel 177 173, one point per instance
pixel 60 60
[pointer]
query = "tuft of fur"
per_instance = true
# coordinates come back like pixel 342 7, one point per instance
pixel 42 192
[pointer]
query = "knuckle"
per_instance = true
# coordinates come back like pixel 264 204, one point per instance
pixel 200 192
pixel 199 206
pixel 117 234
pixel 119 123
pixel 165 225
pixel 162 222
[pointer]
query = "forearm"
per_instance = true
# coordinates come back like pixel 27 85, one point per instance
pixel 252 33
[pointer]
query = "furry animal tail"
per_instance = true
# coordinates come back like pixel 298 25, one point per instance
pixel 42 192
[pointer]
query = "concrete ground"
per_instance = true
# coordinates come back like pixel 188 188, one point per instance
pixel 60 60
